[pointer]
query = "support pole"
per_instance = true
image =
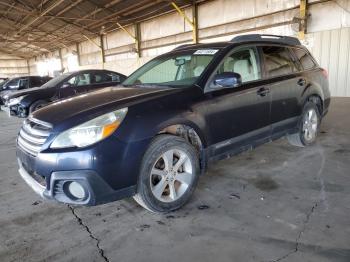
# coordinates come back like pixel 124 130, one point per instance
pixel 136 37
pixel 100 46
pixel 78 54
pixel 303 19
pixel 193 22
pixel 102 51
pixel 28 67
pixel 61 59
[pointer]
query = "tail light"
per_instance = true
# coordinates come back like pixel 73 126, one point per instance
pixel 325 73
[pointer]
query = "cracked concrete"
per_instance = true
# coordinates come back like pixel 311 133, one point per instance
pixel 80 222
pixel 308 215
pixel 275 203
pixel 297 241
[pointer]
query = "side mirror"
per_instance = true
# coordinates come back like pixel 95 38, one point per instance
pixel 66 84
pixel 227 80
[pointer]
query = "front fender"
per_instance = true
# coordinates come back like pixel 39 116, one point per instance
pixel 27 101
pixel 145 124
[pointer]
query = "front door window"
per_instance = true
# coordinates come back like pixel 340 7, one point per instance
pixel 243 62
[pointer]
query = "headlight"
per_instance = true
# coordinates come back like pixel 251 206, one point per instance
pixel 15 101
pixel 90 132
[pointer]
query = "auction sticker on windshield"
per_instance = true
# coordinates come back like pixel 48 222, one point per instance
pixel 206 52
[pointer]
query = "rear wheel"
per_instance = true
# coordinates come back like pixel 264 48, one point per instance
pixel 169 174
pixel 308 126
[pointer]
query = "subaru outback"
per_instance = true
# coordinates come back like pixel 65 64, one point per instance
pixel 153 136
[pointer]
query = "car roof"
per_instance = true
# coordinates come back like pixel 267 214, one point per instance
pixel 91 70
pixel 20 77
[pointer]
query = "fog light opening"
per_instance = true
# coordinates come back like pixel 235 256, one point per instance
pixel 75 190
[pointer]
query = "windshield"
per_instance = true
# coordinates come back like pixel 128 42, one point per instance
pixel 180 69
pixel 53 82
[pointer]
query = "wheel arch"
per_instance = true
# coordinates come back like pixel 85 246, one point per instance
pixel 192 134
pixel 313 94
pixel 316 99
pixel 187 130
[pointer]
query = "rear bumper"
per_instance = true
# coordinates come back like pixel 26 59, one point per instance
pixel 97 191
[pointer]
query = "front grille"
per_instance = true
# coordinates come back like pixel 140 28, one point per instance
pixel 33 135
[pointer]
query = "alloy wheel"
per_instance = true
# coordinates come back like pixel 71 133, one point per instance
pixel 310 125
pixel 171 175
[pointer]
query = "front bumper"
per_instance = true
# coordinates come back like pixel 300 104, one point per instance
pixel 14 110
pixel 35 185
pixel 108 170
pixel 18 110
pixel 97 190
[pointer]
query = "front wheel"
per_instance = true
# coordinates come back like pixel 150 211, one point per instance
pixel 168 175
pixel 308 126
pixel 37 105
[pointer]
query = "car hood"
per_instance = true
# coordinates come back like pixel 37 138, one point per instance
pixel 98 102
pixel 28 91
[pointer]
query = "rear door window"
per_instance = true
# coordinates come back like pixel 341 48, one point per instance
pixel 115 77
pixel 101 77
pixel 278 61
pixel 98 78
pixel 305 58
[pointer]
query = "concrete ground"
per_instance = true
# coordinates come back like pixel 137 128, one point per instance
pixel 276 203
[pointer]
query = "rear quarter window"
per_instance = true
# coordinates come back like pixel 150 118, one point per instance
pixel 305 58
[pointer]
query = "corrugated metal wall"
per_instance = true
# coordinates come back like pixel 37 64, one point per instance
pixel 328 36
pixel 11 66
pixel 332 51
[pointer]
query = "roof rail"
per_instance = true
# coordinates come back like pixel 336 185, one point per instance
pixel 288 40
pixel 181 46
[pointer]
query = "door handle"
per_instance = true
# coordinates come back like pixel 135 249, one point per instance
pixel 301 82
pixel 263 91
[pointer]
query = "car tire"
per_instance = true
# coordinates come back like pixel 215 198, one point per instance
pixel 168 175
pixel 37 105
pixel 308 126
